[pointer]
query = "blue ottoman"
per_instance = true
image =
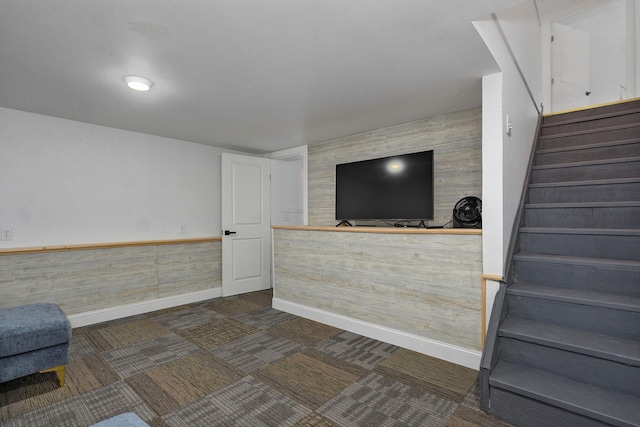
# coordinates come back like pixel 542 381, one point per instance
pixel 33 338
pixel 128 419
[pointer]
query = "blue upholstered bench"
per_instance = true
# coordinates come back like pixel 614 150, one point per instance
pixel 128 419
pixel 33 338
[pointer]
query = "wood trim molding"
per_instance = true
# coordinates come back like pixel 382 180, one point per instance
pixel 589 107
pixel 485 277
pixel 380 230
pixel 90 246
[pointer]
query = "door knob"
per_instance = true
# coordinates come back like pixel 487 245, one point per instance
pixel 227 232
pixel 588 93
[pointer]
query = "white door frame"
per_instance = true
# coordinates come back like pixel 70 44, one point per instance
pixel 295 153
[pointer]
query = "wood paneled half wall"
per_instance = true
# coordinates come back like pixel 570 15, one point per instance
pixel 94 283
pixel 419 290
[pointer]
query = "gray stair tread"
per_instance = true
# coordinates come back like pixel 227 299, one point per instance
pixel 585 182
pixel 595 402
pixel 591 117
pixel 587 163
pixel 626 204
pixel 588 131
pixel 589 146
pixel 583 261
pixel 582 231
pixel 576 296
pixel 596 345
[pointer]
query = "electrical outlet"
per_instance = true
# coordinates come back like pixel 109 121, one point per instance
pixel 7 234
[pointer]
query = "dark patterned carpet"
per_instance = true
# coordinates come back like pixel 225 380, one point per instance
pixel 238 362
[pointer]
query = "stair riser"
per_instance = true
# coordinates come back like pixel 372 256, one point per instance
pixel 629 169
pixel 599 320
pixel 583 217
pixel 613 280
pixel 620 107
pixel 587 369
pixel 591 124
pixel 592 246
pixel 524 412
pixel 592 138
pixel 587 154
pixel 586 193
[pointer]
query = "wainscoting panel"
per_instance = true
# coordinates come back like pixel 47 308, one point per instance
pixel 189 268
pixel 85 280
pixel 426 285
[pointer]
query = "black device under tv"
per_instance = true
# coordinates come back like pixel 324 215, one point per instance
pixel 395 188
pixel 467 213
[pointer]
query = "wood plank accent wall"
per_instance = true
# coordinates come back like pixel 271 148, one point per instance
pixel 423 284
pixel 456 139
pixel 82 280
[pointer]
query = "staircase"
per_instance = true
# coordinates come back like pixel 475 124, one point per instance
pixel 563 346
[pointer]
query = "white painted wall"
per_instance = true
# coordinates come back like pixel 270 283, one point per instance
pixel 505 158
pixel 66 182
pixel 505 94
pixel 615 50
pixel 492 188
pixel 607 27
pixel 521 27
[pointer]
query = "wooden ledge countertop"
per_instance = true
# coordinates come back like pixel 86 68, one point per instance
pixel 89 246
pixel 380 230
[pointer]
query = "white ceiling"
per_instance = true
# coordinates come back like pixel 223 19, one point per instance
pixel 254 75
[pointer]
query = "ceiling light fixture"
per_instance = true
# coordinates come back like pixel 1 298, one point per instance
pixel 138 83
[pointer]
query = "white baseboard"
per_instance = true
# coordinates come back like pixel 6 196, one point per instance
pixel 451 353
pixel 112 313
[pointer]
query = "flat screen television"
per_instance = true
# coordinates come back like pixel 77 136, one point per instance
pixel 398 188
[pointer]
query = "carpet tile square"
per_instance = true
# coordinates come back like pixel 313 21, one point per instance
pixel 80 347
pixel 264 318
pixel 128 361
pixel 232 306
pixel 438 376
pixel 472 398
pixel 356 349
pixel 261 298
pixel 466 417
pixel 158 399
pixel 247 402
pixel 316 420
pixel 30 393
pixel 124 334
pixel 255 351
pixel 307 379
pixel 212 334
pixel 183 319
pixel 89 373
pixel 86 409
pixel 305 331
pixel 376 400
pixel 192 377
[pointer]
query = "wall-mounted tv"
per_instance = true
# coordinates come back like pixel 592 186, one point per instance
pixel 391 188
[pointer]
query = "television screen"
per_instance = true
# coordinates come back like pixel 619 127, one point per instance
pixel 391 188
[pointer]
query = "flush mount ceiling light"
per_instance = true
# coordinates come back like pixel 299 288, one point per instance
pixel 138 83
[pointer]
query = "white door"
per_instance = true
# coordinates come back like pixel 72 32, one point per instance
pixel 246 228
pixel 570 85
